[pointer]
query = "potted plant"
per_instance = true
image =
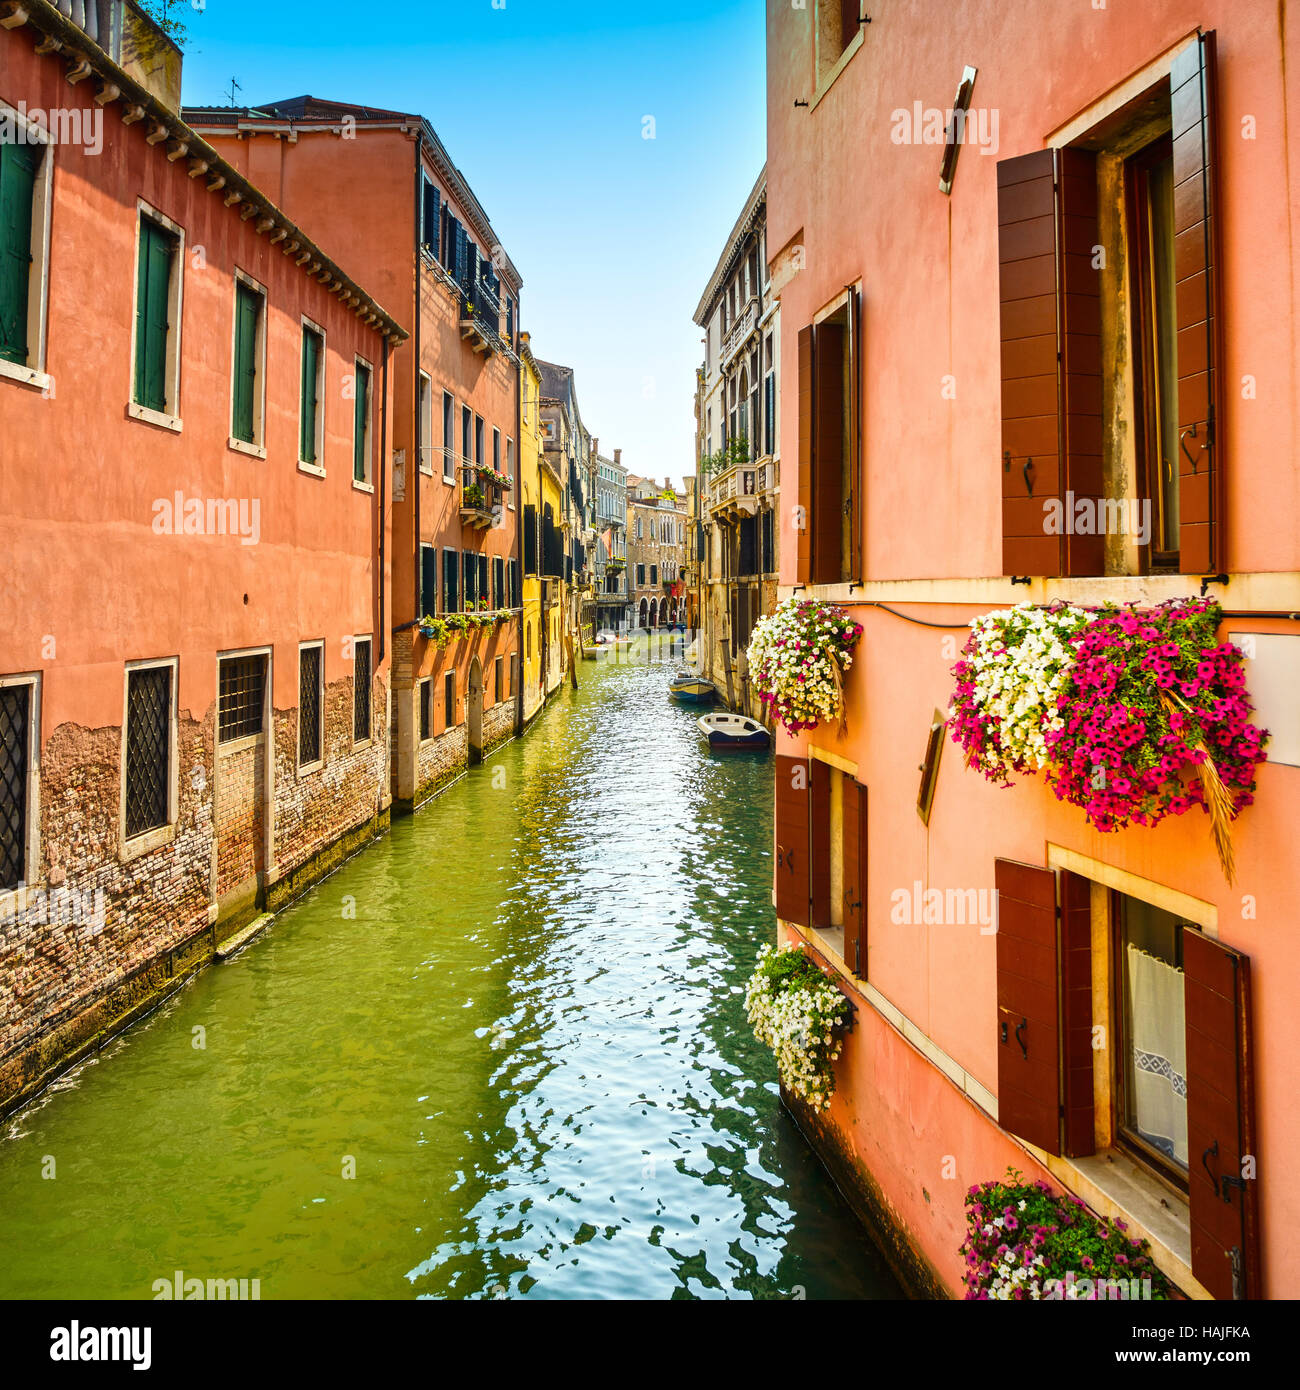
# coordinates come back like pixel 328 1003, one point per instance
pixel 434 629
pixel 457 623
pixel 798 1012
pixel 472 496
pixel 798 655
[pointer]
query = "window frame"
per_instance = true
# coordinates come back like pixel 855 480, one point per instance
pixel 136 845
pixel 449 697
pixel 170 417
pixel 316 469
pixel 33 372
pixel 424 424
pixel 448 443
pixel 304 769
pixel 366 483
pixel 365 639
pixel 227 747
pixel 257 445
pixel 424 712
pixel 13 900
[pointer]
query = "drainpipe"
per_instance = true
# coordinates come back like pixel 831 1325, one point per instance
pixel 383 479
pixel 519 517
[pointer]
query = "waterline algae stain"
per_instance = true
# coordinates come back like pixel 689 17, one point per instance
pixel 501 1053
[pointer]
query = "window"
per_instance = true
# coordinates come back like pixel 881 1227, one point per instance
pixel 498 673
pixel 430 216
pixel 311 673
pixel 247 363
pixel 311 404
pixel 428 580
pixel 18 744
pixel 829 481
pixel 769 542
pixel 240 697
pixel 654 575
pixel 157 317
pixel 426 424
pixel 25 170
pixel 450 581
pixel 500 598
pixel 448 437
pixel 483 577
pixel 496 450
pixel 361 674
pixel 530 538
pixel 148 759
pixel 514 583
pixel 471 581
pixel 361 426
pixel 640 576
pixel 478 440
pixel 838 24
pixel 449 699
pixel 510 462
pixel 426 709
pixel 466 428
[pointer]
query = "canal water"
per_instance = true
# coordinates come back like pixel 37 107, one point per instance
pixel 500 1053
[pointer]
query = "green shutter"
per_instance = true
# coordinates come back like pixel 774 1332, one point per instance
pixel 247 306
pixel 152 286
pixel 359 430
pixel 311 346
pixel 18 164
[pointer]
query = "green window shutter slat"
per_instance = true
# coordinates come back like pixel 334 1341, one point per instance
pixel 359 441
pixel 247 305
pixel 307 405
pixel 18 165
pixel 154 281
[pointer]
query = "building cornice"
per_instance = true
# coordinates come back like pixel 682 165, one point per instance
pixel 749 216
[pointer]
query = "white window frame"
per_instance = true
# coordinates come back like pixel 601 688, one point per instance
pixel 426 424
pixel 367 483
pixel 317 469
pixel 304 769
pixel 257 449
pixel 33 373
pixel 356 742
pixel 424 684
pixel 169 419
pixel 510 472
pixel 14 900
pixel 161 834
pixel 449 445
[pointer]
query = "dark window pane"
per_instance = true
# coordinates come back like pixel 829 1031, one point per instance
pixel 361 691
pixel 309 705
pixel 15 716
pixel 243 681
pixel 148 748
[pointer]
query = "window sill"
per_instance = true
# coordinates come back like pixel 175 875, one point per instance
pixel 146 841
pixel 238 745
pixel 363 487
pixel 14 901
pixel 1116 1186
pixel 242 446
pixel 306 769
pixel 154 417
pixel 25 376
pixel 362 743
pixel 451 482
pixel 312 469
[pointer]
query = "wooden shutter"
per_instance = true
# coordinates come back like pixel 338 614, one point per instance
pixel 470 570
pixel 432 202
pixel 450 587
pixel 1220 1118
pixel 1197 263
pixel 428 580
pixel 803 532
pixel 855 876
pixel 18 165
pixel 828 453
pixel 1076 1016
pixel 792 839
pixel 483 577
pixel 857 479
pixel 151 325
pixel 819 833
pixel 247 303
pixel 1051 364
pixel 1029 1091
pixel 361 417
pixel 307 403
pixel 499 582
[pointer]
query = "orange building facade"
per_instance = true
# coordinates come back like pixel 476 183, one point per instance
pixel 1087 295
pixel 429 251
pixel 194 632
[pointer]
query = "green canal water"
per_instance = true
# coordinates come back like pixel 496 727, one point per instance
pixel 500 1053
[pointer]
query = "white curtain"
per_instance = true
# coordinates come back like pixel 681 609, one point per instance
pixel 1159 1052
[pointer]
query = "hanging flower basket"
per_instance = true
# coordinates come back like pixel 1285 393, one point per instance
pixel 797 1012
pixel 798 655
pixel 1131 714
pixel 435 630
pixel 1023 1242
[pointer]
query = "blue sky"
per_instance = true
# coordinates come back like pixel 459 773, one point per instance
pixel 541 103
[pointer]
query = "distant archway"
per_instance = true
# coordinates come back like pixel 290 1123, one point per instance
pixel 654 612
pixel 475 711
pixel 642 614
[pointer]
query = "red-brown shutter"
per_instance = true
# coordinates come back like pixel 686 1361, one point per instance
pixel 1029 1090
pixel 828 454
pixel 803 530
pixel 1051 364
pixel 855 876
pixel 819 823
pixel 1076 1015
pixel 792 839
pixel 1220 1118
pixel 1197 265
pixel 856 462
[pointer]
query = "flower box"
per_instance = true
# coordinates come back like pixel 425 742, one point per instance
pixel 798 655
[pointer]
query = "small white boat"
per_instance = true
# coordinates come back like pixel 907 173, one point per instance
pixel 733 731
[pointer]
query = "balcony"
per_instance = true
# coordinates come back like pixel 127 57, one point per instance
pixel 480 324
pixel 740 489
pixel 739 332
pixel 480 496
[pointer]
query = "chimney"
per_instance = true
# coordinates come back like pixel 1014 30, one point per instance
pixel 595 445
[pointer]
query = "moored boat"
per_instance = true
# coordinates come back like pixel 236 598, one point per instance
pixel 733 731
pixel 693 690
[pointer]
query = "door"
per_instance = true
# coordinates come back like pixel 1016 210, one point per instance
pixel 475 711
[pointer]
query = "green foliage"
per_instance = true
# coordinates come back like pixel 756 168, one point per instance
pixel 166 14
pixel 733 452
pixel 435 629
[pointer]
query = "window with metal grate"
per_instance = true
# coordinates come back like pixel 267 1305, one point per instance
pixel 309 705
pixel 15 732
pixel 361 690
pixel 242 685
pixel 148 748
